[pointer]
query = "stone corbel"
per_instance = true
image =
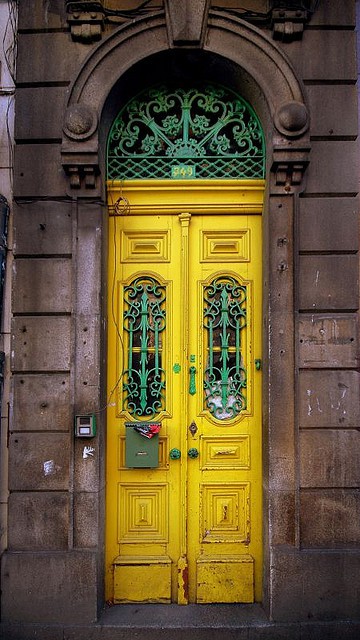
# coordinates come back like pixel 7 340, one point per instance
pixel 287 23
pixel 86 20
pixel 186 21
pixel 289 172
pixel 81 176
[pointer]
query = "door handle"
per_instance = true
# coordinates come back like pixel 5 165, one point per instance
pixel 192 384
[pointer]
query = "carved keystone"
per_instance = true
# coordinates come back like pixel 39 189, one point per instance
pixel 186 21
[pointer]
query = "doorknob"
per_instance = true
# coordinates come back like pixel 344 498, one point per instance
pixel 175 454
pixel 193 453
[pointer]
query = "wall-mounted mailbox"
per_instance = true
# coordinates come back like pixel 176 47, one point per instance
pixel 141 451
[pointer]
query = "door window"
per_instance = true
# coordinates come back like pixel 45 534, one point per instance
pixel 144 323
pixel 224 323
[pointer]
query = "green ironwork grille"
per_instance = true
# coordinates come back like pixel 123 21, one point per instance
pixel 186 133
pixel 144 322
pixel 224 322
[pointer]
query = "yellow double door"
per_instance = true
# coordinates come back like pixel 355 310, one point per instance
pixel 183 507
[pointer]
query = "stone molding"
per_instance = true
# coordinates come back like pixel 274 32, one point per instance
pixel 229 37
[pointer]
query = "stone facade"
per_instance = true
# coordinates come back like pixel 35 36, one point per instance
pixel 300 75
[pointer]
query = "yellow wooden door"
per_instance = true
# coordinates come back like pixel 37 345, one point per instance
pixel 184 335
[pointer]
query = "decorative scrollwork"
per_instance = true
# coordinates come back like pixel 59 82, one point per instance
pixel 144 322
pixel 224 322
pixel 166 125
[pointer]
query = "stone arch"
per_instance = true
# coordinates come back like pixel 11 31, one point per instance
pixel 279 95
pixel 228 37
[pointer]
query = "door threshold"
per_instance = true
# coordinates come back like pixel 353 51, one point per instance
pixel 172 616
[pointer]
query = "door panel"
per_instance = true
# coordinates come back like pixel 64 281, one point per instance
pixel 224 481
pixel 184 333
pixel 143 346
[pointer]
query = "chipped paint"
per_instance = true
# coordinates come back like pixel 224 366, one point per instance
pixel 183 581
pixel 317 401
pixel 337 404
pixel 88 452
pixel 46 11
pixel 49 467
pixel 308 393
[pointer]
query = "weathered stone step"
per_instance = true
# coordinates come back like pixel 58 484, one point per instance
pixel 193 622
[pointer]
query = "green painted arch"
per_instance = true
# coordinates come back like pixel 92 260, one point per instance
pixel 201 132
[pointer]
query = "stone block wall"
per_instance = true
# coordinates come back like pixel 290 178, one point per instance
pixel 328 284
pixel 7 94
pixel 327 436
pixel 52 570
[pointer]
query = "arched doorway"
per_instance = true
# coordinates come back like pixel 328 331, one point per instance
pixel 185 193
pixel 241 57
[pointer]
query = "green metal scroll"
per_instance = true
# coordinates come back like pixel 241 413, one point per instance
pixel 203 132
pixel 224 322
pixel 144 322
